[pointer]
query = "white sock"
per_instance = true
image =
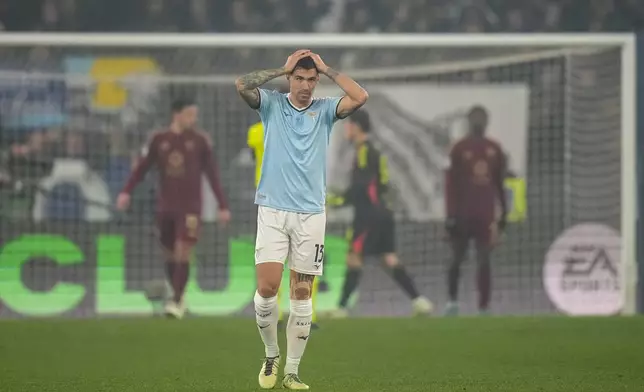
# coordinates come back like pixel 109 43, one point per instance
pixel 266 314
pixel 297 333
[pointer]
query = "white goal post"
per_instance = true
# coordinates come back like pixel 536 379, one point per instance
pixel 542 41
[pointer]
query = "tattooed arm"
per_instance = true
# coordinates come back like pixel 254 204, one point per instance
pixel 355 97
pixel 247 85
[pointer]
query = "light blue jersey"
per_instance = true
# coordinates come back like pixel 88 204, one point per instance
pixel 293 176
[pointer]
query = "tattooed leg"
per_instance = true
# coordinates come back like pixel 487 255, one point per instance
pixel 301 285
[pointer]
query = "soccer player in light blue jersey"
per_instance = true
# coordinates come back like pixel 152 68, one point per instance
pixel 291 220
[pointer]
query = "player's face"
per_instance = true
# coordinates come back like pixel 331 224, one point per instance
pixel 478 122
pixel 302 83
pixel 188 116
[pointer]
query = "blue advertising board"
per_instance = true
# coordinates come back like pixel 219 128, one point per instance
pixel 31 102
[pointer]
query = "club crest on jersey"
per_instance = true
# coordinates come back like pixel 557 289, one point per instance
pixel 190 145
pixel 312 114
pixel 175 159
pixel 480 168
pixel 490 152
pixel 467 155
pixel 164 146
pixel 481 173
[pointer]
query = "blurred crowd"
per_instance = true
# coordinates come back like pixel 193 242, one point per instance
pixel 76 131
pixel 322 15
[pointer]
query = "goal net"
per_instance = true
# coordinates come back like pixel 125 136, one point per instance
pixel 75 114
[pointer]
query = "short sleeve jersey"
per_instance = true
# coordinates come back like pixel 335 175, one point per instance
pixel 293 173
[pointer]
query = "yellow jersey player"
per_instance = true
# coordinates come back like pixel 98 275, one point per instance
pixel 256 143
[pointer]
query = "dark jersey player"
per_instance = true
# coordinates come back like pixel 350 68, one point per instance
pixel 474 187
pixel 182 154
pixel 373 231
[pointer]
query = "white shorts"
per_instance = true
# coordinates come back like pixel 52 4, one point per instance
pixel 292 236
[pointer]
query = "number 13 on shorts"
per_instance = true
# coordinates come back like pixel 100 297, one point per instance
pixel 319 256
pixel 292 236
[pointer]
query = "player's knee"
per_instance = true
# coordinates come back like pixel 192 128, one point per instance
pixel 391 260
pixel 354 261
pixel 301 290
pixel 269 277
pixel 267 289
pixel 182 251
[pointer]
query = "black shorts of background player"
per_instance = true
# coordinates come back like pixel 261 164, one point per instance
pixel 373 232
pixel 373 236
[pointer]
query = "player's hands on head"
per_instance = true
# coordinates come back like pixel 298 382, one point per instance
pixel 292 60
pixel 319 63
pixel 224 216
pixel 123 201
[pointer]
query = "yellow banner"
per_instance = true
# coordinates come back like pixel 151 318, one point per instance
pixel 106 71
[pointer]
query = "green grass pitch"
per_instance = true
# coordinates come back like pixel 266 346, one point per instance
pixel 224 354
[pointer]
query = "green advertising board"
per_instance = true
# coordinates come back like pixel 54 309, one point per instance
pixel 107 287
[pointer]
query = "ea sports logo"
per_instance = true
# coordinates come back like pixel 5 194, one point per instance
pixel 582 271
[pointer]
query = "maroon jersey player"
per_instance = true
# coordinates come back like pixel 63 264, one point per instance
pixel 474 191
pixel 182 155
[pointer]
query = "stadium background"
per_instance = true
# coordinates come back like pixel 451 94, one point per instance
pixel 47 114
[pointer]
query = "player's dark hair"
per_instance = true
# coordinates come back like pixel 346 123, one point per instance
pixel 305 63
pixel 361 119
pixel 179 104
pixel 478 110
pixel 478 119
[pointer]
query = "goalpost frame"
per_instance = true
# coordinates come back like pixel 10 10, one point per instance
pixel 627 42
